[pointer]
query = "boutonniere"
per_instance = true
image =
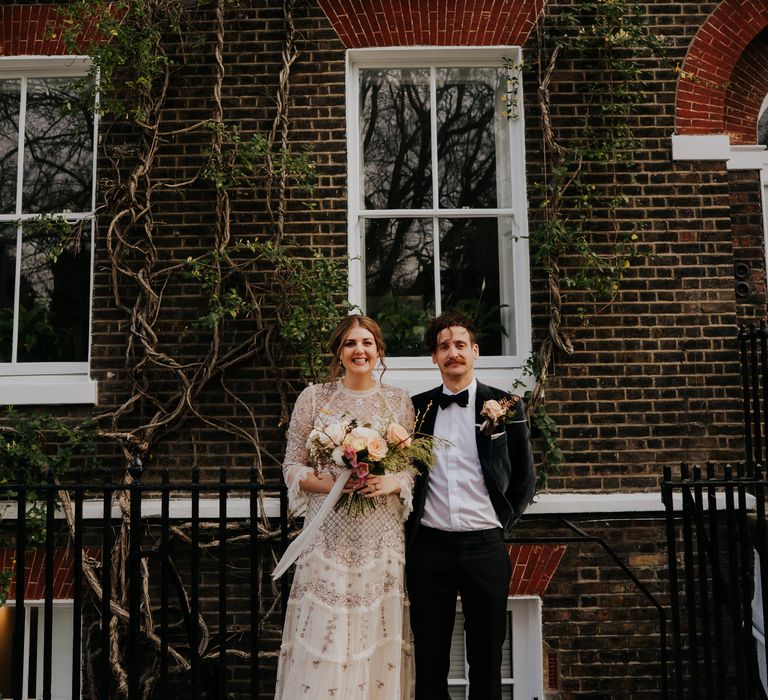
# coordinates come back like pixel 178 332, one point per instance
pixel 499 412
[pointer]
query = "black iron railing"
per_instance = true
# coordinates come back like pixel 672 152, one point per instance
pixel 715 522
pixel 753 354
pixel 167 583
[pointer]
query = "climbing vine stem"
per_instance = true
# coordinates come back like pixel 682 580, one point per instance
pixel 580 238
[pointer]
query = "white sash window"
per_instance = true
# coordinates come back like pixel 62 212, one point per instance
pixel 521 668
pixel 437 201
pixel 47 191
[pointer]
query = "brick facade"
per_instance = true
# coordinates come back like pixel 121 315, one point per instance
pixel 710 64
pixel 654 379
pixel 363 23
pixel 748 245
pixel 746 91
pixel 33 29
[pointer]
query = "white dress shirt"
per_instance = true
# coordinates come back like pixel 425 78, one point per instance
pixel 457 499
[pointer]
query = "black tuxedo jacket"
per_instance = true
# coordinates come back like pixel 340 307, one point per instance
pixel 506 459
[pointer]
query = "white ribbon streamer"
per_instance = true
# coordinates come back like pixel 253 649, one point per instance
pixel 310 529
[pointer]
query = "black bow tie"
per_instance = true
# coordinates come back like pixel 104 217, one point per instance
pixel 462 398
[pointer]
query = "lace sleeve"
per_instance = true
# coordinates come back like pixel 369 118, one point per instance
pixel 406 418
pixel 407 412
pixel 296 463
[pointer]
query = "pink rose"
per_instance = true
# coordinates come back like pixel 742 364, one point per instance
pixel 377 448
pixel 398 436
pixel 493 410
pixel 350 456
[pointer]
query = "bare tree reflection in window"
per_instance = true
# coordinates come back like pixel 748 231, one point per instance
pixel 400 283
pixel 54 294
pixel 58 148
pixel 10 104
pixel 51 315
pixel 395 133
pixel 469 276
pixel 466 145
pixel 473 173
pixel 7 288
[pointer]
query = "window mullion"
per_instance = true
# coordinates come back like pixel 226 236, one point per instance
pixel 435 186
pixel 19 230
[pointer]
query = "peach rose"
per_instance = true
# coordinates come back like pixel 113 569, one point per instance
pixel 493 410
pixel 398 436
pixel 377 448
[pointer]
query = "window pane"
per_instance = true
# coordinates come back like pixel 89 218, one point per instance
pixel 400 282
pixel 507 670
pixel 58 148
pixel 458 669
pixel 10 100
pixel 54 292
pixel 466 143
pixel 395 138
pixel 469 276
pixel 7 288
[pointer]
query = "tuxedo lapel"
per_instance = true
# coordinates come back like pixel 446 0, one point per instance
pixel 426 407
pixel 491 467
pixel 483 441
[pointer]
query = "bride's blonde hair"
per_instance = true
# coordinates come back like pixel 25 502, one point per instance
pixel 342 330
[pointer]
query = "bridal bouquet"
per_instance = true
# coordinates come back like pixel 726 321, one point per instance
pixel 366 451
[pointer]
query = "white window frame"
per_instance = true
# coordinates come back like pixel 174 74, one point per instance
pixel 417 373
pixel 26 383
pixel 61 679
pixel 527 680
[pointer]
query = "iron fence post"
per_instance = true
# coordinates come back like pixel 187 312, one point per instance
pixel 134 582
pixel 21 555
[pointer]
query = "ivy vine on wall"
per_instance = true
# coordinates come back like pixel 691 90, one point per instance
pixel 581 238
pixel 261 298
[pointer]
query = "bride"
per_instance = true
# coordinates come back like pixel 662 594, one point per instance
pixel 346 632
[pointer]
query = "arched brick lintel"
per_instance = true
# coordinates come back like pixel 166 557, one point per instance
pixel 32 30
pixel 709 67
pixel 746 91
pixel 368 23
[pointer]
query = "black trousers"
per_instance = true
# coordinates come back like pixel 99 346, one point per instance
pixel 474 565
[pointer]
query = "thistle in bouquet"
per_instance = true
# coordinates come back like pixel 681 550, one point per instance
pixel 496 413
pixel 366 452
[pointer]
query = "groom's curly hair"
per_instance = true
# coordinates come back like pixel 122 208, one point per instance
pixel 445 320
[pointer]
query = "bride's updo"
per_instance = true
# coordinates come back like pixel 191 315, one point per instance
pixel 340 333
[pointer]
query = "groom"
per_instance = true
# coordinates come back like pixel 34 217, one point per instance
pixel 478 488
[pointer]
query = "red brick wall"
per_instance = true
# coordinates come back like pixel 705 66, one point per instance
pixel 653 379
pixel 31 30
pixel 748 243
pixel 746 91
pixel 710 62
pixel 364 23
pixel 603 632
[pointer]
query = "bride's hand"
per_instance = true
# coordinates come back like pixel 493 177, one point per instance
pixel 381 486
pixel 352 485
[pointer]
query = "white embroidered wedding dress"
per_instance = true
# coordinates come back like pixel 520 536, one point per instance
pixel 347 631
